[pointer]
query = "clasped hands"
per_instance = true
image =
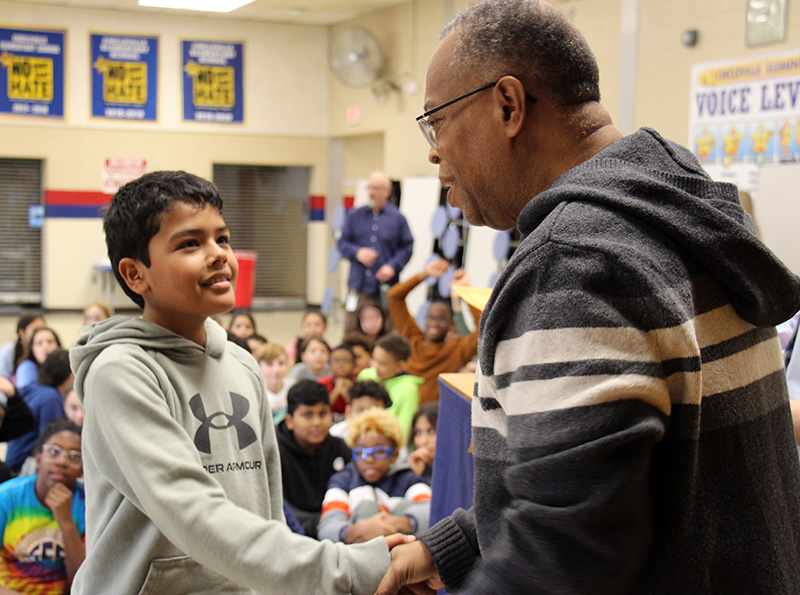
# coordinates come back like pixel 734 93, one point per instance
pixel 411 570
pixel 368 256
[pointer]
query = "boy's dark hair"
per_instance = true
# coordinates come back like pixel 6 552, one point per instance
pixel 445 303
pixel 134 215
pixel 396 346
pixel 356 339
pixel 344 347
pixel 306 392
pixel 370 388
pixel 59 424
pixel 303 344
pixel 55 368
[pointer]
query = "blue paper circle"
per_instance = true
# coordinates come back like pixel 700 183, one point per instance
pixel 502 241
pixel 333 259
pixel 450 241
pixel 422 313
pixel 439 222
pixel 453 212
pixel 430 259
pixel 444 282
pixel 327 301
pixel 339 215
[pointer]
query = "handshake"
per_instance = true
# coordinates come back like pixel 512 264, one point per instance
pixel 411 570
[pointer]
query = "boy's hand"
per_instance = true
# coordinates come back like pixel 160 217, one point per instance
pixel 59 501
pixel 375 526
pixel 437 268
pixel 342 384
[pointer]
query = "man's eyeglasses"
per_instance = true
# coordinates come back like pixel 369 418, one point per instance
pixel 379 453
pixel 426 126
pixel 54 452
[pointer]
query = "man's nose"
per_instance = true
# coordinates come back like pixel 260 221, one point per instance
pixel 433 156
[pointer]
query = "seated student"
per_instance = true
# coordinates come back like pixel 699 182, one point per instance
pixel 372 322
pixel 309 454
pixel 423 438
pixel 43 341
pixel 315 353
pixel 16 419
pixel 274 365
pixel 96 311
pixel 362 349
pixel 12 354
pixel 431 355
pixel 341 378
pixel 362 396
pixel 313 324
pixel 73 408
pixel 242 324
pixel 389 358
pixel 372 496
pixel 42 517
pixel 182 466
pixel 255 341
pixel 46 401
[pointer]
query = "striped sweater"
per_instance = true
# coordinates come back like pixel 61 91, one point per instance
pixel 631 430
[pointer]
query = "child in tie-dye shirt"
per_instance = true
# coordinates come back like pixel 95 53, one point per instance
pixel 42 517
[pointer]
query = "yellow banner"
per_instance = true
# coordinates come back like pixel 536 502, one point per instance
pixel 29 78
pixel 123 82
pixel 477 297
pixel 213 85
pixel 750 71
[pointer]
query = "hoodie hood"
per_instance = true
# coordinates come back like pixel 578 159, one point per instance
pixel 663 185
pixel 121 330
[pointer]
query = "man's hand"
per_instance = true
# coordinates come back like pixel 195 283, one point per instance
pixel 412 567
pixel 437 268
pixel 59 501
pixel 366 256
pixel 385 273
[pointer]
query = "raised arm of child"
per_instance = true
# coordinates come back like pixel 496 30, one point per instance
pixel 402 319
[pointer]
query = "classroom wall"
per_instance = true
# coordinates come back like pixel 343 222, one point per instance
pixel 286 122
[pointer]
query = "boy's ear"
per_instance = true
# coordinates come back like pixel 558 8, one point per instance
pixel 289 422
pixel 132 272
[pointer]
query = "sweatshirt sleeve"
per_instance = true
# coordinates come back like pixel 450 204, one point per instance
pixel 402 320
pixel 171 487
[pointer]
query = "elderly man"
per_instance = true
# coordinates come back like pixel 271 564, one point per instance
pixel 630 423
pixel 378 243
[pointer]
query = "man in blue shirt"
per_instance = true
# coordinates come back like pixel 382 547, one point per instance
pixel 377 242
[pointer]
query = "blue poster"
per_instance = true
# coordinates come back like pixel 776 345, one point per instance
pixel 32 72
pixel 213 86
pixel 124 77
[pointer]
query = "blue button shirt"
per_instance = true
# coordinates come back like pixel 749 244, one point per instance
pixel 387 233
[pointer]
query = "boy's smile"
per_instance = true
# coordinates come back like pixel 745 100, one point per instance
pixel 192 272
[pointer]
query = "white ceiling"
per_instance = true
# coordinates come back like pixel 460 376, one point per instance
pixel 302 12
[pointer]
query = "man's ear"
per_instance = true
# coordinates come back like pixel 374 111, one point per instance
pixel 511 104
pixel 131 271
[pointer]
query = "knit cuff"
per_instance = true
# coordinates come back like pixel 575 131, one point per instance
pixel 452 552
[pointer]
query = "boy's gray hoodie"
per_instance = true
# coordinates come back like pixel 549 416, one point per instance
pixel 183 477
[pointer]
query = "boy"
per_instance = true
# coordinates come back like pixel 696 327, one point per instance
pixel 181 464
pixel 363 396
pixel 389 357
pixel 274 365
pixel 431 355
pixel 373 496
pixel 309 454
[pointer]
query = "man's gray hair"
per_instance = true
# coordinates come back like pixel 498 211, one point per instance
pixel 530 39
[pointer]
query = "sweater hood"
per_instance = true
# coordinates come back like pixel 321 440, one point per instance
pixel 122 330
pixel 663 185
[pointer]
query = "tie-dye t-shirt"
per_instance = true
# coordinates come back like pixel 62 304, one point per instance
pixel 32 556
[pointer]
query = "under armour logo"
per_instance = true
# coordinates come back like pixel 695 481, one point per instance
pixel 240 406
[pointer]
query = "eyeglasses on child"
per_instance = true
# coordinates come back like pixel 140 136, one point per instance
pixel 379 453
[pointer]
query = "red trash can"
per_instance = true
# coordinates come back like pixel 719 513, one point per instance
pixel 246 284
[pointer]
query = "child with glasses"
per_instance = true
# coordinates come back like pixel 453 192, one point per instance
pixel 372 496
pixel 42 517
